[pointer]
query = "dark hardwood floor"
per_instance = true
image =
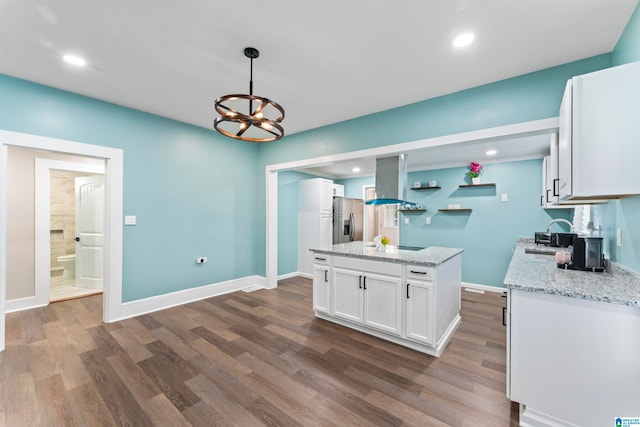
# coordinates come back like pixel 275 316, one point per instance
pixel 246 359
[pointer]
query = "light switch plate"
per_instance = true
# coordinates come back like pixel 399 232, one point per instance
pixel 504 197
pixel 619 237
pixel 129 220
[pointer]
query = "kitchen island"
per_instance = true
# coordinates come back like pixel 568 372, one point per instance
pixel 410 297
pixel 573 341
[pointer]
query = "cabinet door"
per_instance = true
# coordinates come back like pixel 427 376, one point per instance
pixel 326 231
pixel 565 141
pixel 321 287
pixel 326 197
pixel 553 181
pixel 382 303
pixel 420 310
pixel 346 293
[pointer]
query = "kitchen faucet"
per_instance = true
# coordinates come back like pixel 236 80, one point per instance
pixel 559 220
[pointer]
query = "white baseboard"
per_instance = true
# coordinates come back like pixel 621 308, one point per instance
pixel 532 418
pixel 19 304
pixel 290 275
pixel 482 287
pixel 305 275
pixel 160 302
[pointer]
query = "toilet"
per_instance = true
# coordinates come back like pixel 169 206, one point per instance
pixel 69 264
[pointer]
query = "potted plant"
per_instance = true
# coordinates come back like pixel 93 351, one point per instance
pixel 474 172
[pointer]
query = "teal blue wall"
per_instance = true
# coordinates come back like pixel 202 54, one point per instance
pixel 488 233
pixel 624 213
pixel 193 191
pixel 529 97
pixel 288 220
pixel 353 186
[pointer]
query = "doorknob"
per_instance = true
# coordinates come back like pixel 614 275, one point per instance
pixel 77 239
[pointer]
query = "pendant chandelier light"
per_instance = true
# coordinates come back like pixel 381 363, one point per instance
pixel 254 124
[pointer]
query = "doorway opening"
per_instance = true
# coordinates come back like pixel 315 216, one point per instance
pixel 17 296
pixel 380 220
pixel 76 234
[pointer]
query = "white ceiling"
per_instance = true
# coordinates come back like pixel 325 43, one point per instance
pixel 324 61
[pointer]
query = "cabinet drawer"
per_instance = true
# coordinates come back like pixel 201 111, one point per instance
pixel 420 272
pixel 322 259
pixel 382 267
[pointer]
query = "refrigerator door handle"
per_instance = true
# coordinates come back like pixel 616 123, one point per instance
pixel 352 224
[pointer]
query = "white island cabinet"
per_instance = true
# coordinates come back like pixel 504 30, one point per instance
pixel 321 282
pixel 407 297
pixel 368 292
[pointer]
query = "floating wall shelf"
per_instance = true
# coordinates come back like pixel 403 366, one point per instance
pixel 411 210
pixel 455 210
pixel 490 184
pixel 425 188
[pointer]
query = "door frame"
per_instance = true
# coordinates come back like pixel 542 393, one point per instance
pixel 535 127
pixel 43 214
pixel 113 174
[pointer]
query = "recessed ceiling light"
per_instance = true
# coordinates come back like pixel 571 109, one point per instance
pixel 356 169
pixel 74 60
pixel 491 152
pixel 463 40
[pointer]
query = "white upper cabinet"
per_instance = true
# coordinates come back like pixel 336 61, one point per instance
pixel 316 196
pixel 550 181
pixel 599 140
pixel 338 190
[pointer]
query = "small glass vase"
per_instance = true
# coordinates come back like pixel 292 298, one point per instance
pixel 476 180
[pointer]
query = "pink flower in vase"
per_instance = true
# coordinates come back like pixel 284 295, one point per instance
pixel 474 169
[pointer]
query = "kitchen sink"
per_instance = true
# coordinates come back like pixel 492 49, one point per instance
pixel 410 248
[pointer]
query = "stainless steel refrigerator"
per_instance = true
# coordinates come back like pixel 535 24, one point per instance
pixel 348 215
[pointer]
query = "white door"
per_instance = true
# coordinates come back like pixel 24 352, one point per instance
pixel 382 303
pixel 89 231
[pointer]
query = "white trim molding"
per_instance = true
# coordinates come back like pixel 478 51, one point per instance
pixel 43 168
pixel 487 288
pixel 161 302
pixel 535 127
pixel 113 172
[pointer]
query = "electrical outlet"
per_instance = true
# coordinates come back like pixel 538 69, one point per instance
pixel 406 220
pixel 428 220
pixel 201 260
pixel 505 197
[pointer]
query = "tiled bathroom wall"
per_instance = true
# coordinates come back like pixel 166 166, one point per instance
pixel 63 216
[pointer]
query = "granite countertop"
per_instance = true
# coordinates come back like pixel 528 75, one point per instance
pixel 539 273
pixel 431 256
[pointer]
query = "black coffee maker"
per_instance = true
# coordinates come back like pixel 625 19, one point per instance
pixel 587 254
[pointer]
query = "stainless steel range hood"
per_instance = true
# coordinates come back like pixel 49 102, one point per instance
pixel 391 181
